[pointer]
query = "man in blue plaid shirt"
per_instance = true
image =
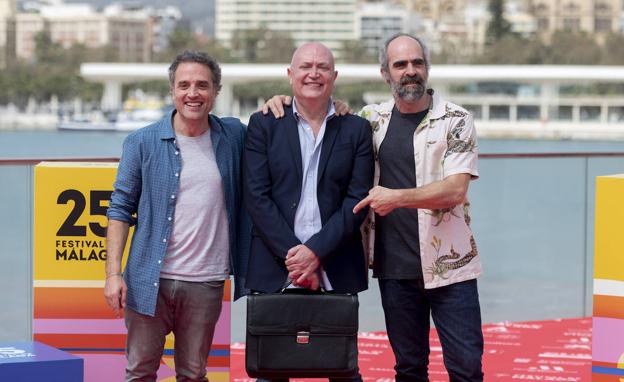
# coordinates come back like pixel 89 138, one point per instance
pixel 178 184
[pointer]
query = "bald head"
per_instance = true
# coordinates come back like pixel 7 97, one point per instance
pixel 312 73
pixel 312 48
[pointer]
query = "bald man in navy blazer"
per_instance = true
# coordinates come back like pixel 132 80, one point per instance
pixel 303 174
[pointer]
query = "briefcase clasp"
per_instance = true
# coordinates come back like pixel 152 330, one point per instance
pixel 303 337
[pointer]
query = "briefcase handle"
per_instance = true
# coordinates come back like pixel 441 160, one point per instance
pixel 285 289
pixel 321 290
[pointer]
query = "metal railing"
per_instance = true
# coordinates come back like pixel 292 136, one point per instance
pixel 532 214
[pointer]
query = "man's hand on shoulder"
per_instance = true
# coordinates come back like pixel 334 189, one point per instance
pixel 276 105
pixel 342 108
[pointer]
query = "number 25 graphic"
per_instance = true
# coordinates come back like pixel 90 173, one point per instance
pixel 69 227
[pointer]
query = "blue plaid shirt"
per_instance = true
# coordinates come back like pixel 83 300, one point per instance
pixel 145 196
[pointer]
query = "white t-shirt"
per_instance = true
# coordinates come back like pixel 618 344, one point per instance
pixel 198 247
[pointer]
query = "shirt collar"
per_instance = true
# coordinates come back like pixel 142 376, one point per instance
pixel 165 128
pixel 331 110
pixel 436 108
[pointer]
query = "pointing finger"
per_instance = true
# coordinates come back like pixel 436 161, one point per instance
pixel 363 203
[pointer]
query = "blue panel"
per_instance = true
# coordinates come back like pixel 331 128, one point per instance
pixel 34 361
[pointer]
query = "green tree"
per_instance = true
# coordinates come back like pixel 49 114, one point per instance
pixel 47 51
pixel 276 47
pixel 498 26
pixel 613 54
pixel 261 89
pixel 568 48
pixel 262 45
pixel 353 93
pixel 106 53
pixel 454 53
pixel 182 39
pixel 513 49
pixel 356 52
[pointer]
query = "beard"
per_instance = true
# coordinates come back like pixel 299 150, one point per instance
pixel 408 88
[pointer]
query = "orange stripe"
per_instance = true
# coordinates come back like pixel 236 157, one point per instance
pixel 604 378
pixel 98 352
pixel 75 303
pixel 604 364
pixel 79 303
pixel 608 306
pixel 227 290
pixel 218 361
pixel 83 341
pixel 106 341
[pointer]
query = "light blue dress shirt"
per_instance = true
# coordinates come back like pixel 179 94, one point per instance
pixel 308 215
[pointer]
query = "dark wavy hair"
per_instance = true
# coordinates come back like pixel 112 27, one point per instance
pixel 200 58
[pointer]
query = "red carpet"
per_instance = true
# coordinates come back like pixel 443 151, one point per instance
pixel 556 350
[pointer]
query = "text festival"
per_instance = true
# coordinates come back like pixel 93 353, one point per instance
pixel 80 250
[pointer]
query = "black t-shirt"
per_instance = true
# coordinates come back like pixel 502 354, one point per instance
pixel 397 248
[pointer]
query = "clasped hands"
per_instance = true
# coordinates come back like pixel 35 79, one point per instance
pixel 302 265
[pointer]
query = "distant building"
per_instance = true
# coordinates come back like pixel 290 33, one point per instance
pixel 206 25
pixel 455 25
pixel 126 30
pixel 517 13
pixel 376 21
pixel 164 22
pixel 591 16
pixel 328 21
pixel 7 31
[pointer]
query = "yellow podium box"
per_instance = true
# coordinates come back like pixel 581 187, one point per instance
pixel 70 313
pixel 608 298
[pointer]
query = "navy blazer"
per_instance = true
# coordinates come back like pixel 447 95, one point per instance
pixel 272 180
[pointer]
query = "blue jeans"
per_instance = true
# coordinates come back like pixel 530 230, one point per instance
pixel 188 309
pixel 457 317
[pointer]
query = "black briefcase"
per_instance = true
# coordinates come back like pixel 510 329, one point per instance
pixel 301 334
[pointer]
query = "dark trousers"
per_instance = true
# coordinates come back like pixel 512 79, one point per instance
pixel 188 309
pixel 457 316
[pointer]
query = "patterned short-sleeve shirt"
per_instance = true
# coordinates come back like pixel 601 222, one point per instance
pixel 445 143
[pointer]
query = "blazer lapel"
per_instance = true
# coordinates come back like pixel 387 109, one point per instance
pixel 331 132
pixel 289 126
